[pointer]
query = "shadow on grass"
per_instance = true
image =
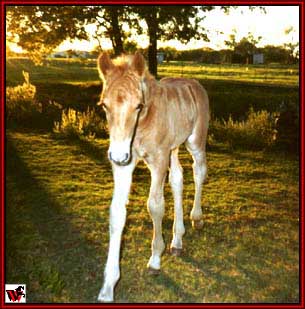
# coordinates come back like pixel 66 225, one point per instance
pixel 244 258
pixel 176 289
pixel 43 248
pixel 219 283
pixel 73 96
pixel 97 153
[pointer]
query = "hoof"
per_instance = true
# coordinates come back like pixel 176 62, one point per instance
pixel 153 272
pixel 176 251
pixel 197 224
pixel 105 295
pixel 102 298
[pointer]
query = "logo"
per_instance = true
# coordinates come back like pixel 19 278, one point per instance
pixel 15 293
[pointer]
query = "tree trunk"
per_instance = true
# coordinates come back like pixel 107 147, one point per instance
pixel 152 54
pixel 116 33
pixel 153 37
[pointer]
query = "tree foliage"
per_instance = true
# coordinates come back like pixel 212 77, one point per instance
pixel 40 29
pixel 245 48
pixel 109 21
pixel 170 22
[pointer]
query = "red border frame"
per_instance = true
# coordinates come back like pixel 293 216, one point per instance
pixel 300 3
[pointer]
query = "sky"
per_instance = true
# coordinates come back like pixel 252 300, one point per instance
pixel 270 26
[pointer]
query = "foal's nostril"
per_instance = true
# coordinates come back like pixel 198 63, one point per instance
pixel 126 157
pixel 120 161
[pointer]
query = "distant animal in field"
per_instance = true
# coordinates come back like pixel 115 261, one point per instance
pixel 148 120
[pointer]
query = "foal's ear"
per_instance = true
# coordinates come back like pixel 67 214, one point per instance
pixel 104 65
pixel 138 63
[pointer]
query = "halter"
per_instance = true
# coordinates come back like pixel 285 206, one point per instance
pixel 138 115
pixel 143 94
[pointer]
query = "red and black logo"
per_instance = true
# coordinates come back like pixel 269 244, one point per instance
pixel 15 295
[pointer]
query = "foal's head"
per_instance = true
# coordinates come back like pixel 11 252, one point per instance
pixel 122 99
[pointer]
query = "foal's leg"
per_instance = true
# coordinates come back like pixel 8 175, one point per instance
pixel 176 181
pixel 122 181
pixel 156 209
pixel 200 173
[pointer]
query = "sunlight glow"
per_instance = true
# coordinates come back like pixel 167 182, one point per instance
pixel 270 26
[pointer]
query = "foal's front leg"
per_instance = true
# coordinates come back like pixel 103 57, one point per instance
pixel 122 181
pixel 156 209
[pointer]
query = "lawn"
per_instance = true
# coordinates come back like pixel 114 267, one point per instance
pixel 287 75
pixel 75 71
pixel 76 84
pixel 58 196
pixel 58 193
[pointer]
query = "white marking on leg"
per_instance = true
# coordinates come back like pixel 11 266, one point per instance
pixel 122 182
pixel 154 261
pixel 200 172
pixel 176 181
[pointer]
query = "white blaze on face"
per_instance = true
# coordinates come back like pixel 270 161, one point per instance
pixel 121 134
pixel 119 151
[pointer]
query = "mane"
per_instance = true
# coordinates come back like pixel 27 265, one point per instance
pixel 123 60
pixel 123 63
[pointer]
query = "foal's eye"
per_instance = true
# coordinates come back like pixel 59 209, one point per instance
pixel 140 106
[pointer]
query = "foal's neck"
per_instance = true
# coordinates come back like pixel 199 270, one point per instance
pixel 149 87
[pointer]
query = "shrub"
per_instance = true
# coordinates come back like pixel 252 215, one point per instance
pixel 51 112
pixel 21 106
pixel 258 131
pixel 288 127
pixel 23 109
pixel 74 124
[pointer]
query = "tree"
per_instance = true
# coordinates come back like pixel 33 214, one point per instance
pixel 245 48
pixel 276 54
pixel 130 46
pixel 40 29
pixel 291 46
pixel 174 22
pixel 170 53
pixel 231 43
pixel 109 21
pixel 170 22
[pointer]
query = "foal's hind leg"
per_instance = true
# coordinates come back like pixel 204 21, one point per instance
pixel 198 153
pixel 158 168
pixel 176 181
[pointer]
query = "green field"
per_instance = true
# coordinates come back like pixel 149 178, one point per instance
pixel 76 84
pixel 68 71
pixel 58 193
pixel 271 74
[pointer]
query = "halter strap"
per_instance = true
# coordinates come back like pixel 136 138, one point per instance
pixel 143 93
pixel 139 112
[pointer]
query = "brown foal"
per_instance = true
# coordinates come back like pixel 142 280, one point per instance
pixel 148 120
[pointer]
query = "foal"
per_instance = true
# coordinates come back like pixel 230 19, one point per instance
pixel 149 120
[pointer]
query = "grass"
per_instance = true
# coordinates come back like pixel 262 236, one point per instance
pixel 68 71
pixel 76 84
pixel 287 75
pixel 57 203
pixel 58 193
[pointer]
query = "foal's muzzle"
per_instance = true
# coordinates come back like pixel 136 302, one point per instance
pixel 119 152
pixel 124 160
